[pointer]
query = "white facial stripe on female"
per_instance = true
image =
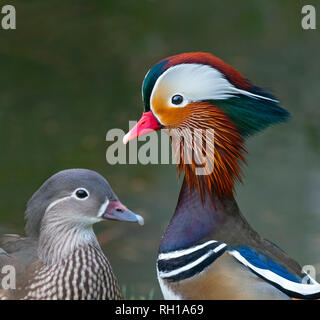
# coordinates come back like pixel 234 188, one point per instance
pixel 54 203
pixel 73 195
pixel 197 82
pixel 103 208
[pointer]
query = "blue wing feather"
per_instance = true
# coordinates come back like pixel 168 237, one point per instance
pixel 260 260
pixel 277 275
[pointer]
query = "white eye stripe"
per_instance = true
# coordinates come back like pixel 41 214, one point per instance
pixel 197 82
pixel 54 203
pixel 73 195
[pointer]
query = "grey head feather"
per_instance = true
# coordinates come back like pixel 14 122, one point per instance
pixel 60 185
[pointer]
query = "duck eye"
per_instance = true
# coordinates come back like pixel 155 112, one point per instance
pixel 177 99
pixel 81 194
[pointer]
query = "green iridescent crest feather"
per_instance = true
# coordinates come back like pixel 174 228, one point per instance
pixel 251 115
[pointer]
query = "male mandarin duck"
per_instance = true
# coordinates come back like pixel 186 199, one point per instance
pixel 209 251
pixel 61 258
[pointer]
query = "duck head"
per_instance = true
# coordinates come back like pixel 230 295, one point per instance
pixel 74 199
pixel 200 91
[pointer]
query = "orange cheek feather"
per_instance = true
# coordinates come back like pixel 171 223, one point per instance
pixel 169 116
pixel 228 150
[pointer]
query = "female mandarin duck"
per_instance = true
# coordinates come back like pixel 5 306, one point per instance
pixel 209 251
pixel 61 259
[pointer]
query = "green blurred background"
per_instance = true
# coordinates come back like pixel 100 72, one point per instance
pixel 73 69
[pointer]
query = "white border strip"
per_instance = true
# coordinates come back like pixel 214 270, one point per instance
pixel 305 289
pixel 191 264
pixel 180 253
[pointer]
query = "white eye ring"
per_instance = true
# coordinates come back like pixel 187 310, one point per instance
pixel 81 194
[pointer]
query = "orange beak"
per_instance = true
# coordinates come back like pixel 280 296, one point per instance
pixel 146 124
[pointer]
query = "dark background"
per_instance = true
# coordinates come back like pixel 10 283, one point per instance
pixel 72 70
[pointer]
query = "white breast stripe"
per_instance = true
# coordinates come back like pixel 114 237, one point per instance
pixel 180 253
pixel 168 294
pixel 301 288
pixel 184 268
pixel 217 249
pixel 192 264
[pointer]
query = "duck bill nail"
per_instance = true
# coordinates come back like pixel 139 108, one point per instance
pixel 146 124
pixel 117 211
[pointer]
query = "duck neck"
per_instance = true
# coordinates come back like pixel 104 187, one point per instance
pixel 197 220
pixel 59 240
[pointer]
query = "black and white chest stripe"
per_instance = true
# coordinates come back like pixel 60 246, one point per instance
pixel 186 263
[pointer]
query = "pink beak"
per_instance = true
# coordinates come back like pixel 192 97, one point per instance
pixel 117 211
pixel 146 124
